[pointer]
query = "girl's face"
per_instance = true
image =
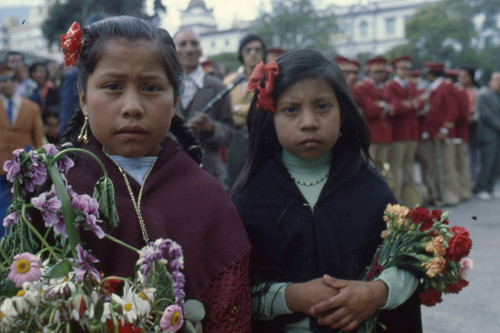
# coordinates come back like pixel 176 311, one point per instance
pixel 129 99
pixel 307 118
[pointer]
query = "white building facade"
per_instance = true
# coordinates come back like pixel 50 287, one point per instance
pixel 372 27
pixel 24 34
pixel 200 19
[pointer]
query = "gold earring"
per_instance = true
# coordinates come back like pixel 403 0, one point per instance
pixel 84 133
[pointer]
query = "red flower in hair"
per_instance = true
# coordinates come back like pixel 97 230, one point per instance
pixel 71 43
pixel 270 71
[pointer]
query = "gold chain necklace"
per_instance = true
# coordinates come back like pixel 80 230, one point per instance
pixel 299 182
pixel 135 203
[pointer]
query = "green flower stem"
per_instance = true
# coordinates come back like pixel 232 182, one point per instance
pixel 5 257
pixel 37 234
pixel 80 150
pixel 119 242
pixel 67 209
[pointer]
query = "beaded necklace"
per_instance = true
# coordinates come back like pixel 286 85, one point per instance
pixel 316 182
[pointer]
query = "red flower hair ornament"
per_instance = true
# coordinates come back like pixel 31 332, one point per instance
pixel 270 71
pixel 71 43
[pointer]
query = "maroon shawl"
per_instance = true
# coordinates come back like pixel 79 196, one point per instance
pixel 181 202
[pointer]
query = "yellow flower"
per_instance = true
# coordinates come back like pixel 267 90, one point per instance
pixel 434 266
pixel 436 246
pixel 400 211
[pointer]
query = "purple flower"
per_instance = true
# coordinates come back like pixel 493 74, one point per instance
pixel 62 165
pixel 169 252
pixel 85 265
pixel 148 255
pixel 172 319
pixel 50 149
pixel 35 173
pixel 12 166
pixel 60 227
pixel 49 205
pixel 25 268
pixel 9 219
pixel 90 209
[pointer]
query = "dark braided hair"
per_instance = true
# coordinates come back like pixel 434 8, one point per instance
pixel 94 38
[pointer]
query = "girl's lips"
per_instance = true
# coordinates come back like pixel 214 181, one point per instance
pixel 310 143
pixel 131 130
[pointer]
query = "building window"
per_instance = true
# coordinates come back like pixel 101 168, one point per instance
pixel 363 29
pixel 227 42
pixel 212 44
pixel 390 26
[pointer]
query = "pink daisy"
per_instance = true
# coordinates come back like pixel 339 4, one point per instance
pixel 25 268
pixel 172 319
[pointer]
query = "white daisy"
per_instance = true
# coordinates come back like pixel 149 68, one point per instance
pixel 128 304
pixel 7 314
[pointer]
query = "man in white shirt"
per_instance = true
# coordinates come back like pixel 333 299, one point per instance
pixel 213 129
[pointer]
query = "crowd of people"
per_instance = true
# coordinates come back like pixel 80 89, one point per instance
pixel 432 137
pixel 288 135
pixel 437 119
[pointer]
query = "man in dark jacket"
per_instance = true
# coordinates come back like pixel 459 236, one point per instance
pixel 214 129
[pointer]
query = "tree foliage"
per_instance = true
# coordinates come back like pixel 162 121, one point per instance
pixel 63 13
pixel 229 59
pixel 294 24
pixel 461 33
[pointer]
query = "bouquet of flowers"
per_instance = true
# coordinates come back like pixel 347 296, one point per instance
pixel 56 287
pixel 423 243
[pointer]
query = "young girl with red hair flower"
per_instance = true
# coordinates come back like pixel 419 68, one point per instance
pixel 312 205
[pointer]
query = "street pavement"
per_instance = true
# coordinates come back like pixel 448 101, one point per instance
pixel 477 307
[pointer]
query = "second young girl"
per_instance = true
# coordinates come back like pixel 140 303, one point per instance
pixel 312 205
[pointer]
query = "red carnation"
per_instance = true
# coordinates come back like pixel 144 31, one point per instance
pixel 455 287
pixel 128 328
pixel 430 297
pixel 421 215
pixel 375 270
pixel 112 284
pixel 459 244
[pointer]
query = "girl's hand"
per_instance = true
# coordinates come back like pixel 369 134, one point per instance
pixel 300 297
pixel 356 301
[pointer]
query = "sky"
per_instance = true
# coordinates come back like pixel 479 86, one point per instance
pixel 225 11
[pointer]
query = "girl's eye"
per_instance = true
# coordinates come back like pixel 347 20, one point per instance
pixel 111 86
pixel 323 107
pixel 290 110
pixel 151 88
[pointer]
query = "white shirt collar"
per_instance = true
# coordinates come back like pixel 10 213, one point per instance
pixel 436 83
pixel 401 81
pixel 197 76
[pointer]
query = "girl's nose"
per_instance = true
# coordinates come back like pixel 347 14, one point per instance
pixel 132 106
pixel 309 119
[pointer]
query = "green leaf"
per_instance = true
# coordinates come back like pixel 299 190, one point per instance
pixel 194 310
pixel 160 278
pixel 99 308
pixel 59 270
pixel 8 288
pixel 104 193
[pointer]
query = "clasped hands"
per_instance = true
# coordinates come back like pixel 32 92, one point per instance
pixel 338 304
